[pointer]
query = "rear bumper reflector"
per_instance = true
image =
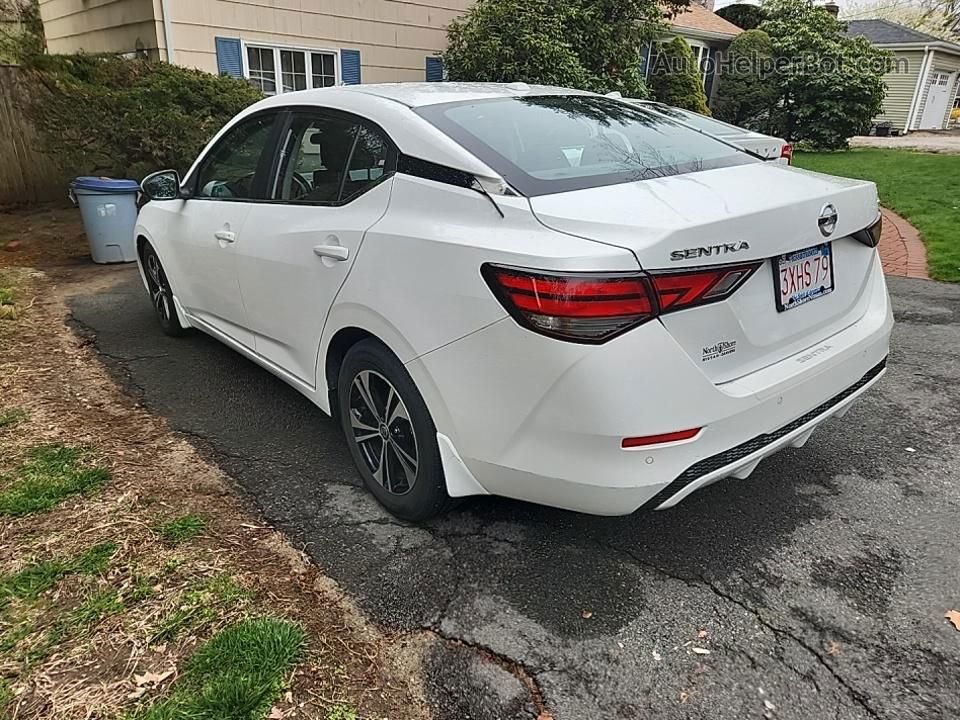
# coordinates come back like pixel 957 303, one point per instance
pixel 632 442
pixel 728 457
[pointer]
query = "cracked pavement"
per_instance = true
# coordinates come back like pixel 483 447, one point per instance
pixel 818 585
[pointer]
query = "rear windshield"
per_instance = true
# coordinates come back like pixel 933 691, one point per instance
pixel 554 143
pixel 700 122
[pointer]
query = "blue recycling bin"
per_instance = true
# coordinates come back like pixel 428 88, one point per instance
pixel 109 211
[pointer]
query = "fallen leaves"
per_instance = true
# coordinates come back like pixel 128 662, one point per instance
pixel 152 678
pixel 148 680
pixel 954 617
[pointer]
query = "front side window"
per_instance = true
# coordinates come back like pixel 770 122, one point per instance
pixel 228 172
pixel 329 159
pixel 555 143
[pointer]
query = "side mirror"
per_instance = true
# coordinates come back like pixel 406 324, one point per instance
pixel 163 185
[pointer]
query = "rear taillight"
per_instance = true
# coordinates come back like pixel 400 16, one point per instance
pixel 582 307
pixel 682 289
pixel 787 152
pixel 595 307
pixel 870 236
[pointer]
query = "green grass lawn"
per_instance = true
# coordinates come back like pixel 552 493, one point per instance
pixel 922 187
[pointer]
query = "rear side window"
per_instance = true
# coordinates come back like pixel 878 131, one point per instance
pixel 228 172
pixel 367 164
pixel 330 159
pixel 555 143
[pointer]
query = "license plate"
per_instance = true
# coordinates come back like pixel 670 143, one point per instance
pixel 802 276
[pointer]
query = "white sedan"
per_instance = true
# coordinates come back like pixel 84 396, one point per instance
pixel 524 291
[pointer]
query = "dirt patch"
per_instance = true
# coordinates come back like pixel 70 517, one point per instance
pixel 94 643
pixel 41 236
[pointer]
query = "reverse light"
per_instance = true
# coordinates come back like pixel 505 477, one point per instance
pixel 632 442
pixel 596 307
pixel 786 151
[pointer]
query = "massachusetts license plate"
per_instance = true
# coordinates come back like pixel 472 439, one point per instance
pixel 802 276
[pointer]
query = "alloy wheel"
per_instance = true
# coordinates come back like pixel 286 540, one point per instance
pixel 382 429
pixel 159 293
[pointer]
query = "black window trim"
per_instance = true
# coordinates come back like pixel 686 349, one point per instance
pixel 258 186
pixel 294 111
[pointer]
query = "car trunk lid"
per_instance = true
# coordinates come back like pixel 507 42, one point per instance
pixel 753 212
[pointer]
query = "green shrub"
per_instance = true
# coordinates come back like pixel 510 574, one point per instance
pixel 830 86
pixel 744 16
pixel 747 93
pixel 21 30
pixel 588 44
pixel 126 118
pixel 675 78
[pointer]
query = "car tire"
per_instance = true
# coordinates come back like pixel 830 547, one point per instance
pixel 391 435
pixel 161 296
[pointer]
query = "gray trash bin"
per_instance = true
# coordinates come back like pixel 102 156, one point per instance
pixel 109 211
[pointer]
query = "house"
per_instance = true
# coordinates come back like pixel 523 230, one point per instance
pixel 707 34
pixel 280 45
pixel 924 81
pixel 284 45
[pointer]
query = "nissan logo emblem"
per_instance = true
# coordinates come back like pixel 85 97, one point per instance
pixel 827 222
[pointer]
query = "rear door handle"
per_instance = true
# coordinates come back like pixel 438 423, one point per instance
pixel 335 252
pixel 225 236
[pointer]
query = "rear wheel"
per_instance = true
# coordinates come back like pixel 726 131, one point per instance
pixel 390 433
pixel 161 296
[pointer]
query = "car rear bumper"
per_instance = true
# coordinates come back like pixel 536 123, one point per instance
pixel 543 420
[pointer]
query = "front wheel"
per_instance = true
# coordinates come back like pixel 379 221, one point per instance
pixel 390 433
pixel 161 296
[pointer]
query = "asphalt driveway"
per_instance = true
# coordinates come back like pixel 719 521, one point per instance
pixel 814 589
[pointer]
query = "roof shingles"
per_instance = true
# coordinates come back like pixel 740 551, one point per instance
pixel 697 17
pixel 886 32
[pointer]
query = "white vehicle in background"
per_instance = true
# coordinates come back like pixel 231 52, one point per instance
pixel 768 147
pixel 524 291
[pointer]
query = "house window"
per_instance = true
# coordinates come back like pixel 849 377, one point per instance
pixel 323 73
pixel 293 70
pixel 649 54
pixel 700 56
pixel 261 69
pixel 298 69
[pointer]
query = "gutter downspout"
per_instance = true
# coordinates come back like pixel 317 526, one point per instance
pixel 918 90
pixel 167 30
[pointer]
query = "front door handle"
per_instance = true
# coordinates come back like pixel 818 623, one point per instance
pixel 225 236
pixel 334 252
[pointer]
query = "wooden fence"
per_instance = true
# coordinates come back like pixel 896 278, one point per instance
pixel 26 174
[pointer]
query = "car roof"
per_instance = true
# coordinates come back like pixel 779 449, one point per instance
pixel 418 94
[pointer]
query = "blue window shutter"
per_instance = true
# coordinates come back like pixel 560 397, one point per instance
pixel 434 69
pixel 350 67
pixel 228 56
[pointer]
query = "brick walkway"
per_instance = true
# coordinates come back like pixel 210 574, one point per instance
pixel 901 249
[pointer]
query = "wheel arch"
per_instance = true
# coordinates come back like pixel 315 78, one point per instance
pixel 337 348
